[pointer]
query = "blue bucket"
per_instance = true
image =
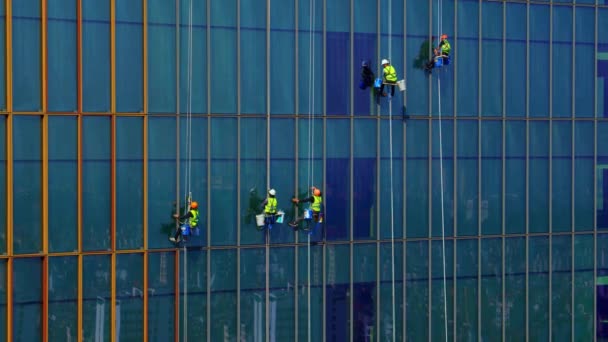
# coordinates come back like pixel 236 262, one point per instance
pixel 438 62
pixel 185 230
pixel 307 214
pixel 378 83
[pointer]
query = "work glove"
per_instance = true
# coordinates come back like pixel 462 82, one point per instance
pixel 295 200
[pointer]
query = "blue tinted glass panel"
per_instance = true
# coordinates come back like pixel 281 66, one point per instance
pixel 161 55
pixel 491 177
pixel 439 302
pixel 282 52
pixel 584 67
pixel 96 55
pixel 223 64
pixel 515 68
pixel 63 187
pixel 337 57
pixel 96 296
pixel 3 301
pixel 63 298
pixel 282 173
pixel 196 97
pixel 491 58
pixel 561 285
pixel 562 176
pixel 391 255
pixel 602 175
pixel 223 181
pixel 538 182
pixel 2 60
pixel 515 288
pixel 491 288
pixel 129 60
pixel 337 292
pixel 442 164
pixel 310 58
pixel 253 67
pixel 161 180
pixel 390 224
pixel 396 59
pixel 539 58
pixel 96 189
pixel 365 46
pixel 27 299
pixel 417 175
pixel 129 297
pixel 337 194
pixel 310 264
pixel 364 291
pixel 282 320
pixel 341 22
pixel 27 187
pixel 584 286
pixel 3 184
pixel 467 262
pixel 583 175
pixel 253 179
pixel 27 75
pixel 562 61
pixel 161 298
pixel 129 182
pixel 223 294
pixel 365 205
pixel 196 277
pixel 310 166
pixel 515 177
pixel 253 293
pixel 417 290
pixel 538 287
pixel 61 55
pixel 467 54
pixel 602 66
pixel 467 186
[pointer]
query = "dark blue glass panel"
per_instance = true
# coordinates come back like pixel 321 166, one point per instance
pixel 252 299
pixel 417 290
pixel 442 168
pixel 584 67
pixel 2 62
pixel 282 172
pixel 27 187
pixel 491 177
pixel 96 297
pixel 253 66
pixel 3 184
pixel 491 58
pixel 583 175
pixel 63 298
pixel 223 181
pixel 96 55
pixel 310 57
pixel 310 169
pixel 442 81
pixel 162 55
pixel 365 205
pixel 62 55
pixel 129 297
pixel 467 217
pixel 602 66
pixel 310 280
pixel 27 75
pixel 223 64
pixel 63 186
pixel 96 188
pixel 196 280
pixel 162 151
pixel 337 56
pixel 364 290
pixel 539 26
pixel 561 194
pixel 467 262
pixel 161 296
pixel 129 57
pixel 282 61
pixel 515 288
pixel 388 191
pixel 223 294
pixel 538 288
pixel 562 62
pixel 561 285
pixel 491 288
pixel 365 47
pixel 253 179
pixel 27 299
pixel 515 177
pixel 515 67
pixel 338 294
pixel 538 181
pixel 197 100
pixel 282 302
pixel 341 23
pixel 601 259
pixel 391 255
pixel 417 28
pixel 584 286
pixel 394 105
pixel 129 182
pixel 602 175
pixel 417 179
pixel 3 300
pixel 337 195
pixel 440 303
pixel 467 54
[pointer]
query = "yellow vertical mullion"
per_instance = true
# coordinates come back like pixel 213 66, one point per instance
pixel 79 336
pixel 9 55
pixel 9 297
pixel 9 130
pixel 43 48
pixel 113 55
pixel 113 299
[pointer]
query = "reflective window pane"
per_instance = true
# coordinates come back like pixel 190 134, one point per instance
pixel 161 296
pixel 254 189
pixel 3 185
pixel 282 173
pixel 337 291
pixel 583 175
pixel 96 296
pixel 197 98
pixel 491 177
pixel 365 205
pixel 417 290
pixel 223 294
pixel 491 288
pixel 129 297
pixel 538 182
pixel 196 282
pixel 129 62
pixel 96 55
pixel 161 59
pixel 468 178
pixel 561 159
pixel 538 287
pixel 63 298
pixel 337 194
pixel 26 49
pixel 584 286
pixel 27 299
pixel 253 294
pixel 467 262
pixel 515 288
pixel 309 285
pixel 282 301
pixel 417 180
pixel 62 55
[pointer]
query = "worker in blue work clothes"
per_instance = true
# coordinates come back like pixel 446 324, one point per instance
pixel 192 215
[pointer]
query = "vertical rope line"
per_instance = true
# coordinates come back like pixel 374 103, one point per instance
pixel 390 125
pixel 311 104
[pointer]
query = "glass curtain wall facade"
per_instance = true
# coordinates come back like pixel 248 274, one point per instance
pixel 511 166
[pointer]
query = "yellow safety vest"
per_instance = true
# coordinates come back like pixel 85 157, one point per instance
pixel 390 74
pixel 316 204
pixel 194 218
pixel 271 206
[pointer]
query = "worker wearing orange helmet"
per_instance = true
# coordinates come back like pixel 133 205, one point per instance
pixel 192 216
pixel 442 51
pixel 315 204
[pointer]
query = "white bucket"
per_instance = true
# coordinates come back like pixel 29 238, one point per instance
pixel 401 85
pixel 307 214
pixel 259 219
pixel 280 216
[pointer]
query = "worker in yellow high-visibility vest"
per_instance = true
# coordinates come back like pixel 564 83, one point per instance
pixel 389 75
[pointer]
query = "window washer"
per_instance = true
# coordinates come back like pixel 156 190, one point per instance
pixel 389 76
pixel 270 209
pixel 367 76
pixel 192 215
pixel 316 200
pixel 442 51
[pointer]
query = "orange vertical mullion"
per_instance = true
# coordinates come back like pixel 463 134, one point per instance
pixel 79 55
pixel 9 298
pixel 44 46
pixel 45 229
pixel 145 162
pixel 113 56
pixel 45 298
pixel 9 54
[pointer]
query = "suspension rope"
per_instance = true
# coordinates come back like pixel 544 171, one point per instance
pixel 390 125
pixel 445 299
pixel 311 123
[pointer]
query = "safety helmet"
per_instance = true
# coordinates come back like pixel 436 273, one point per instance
pixel 272 192
pixel 317 192
pixel 364 64
pixel 385 61
pixel 444 36
pixel 193 205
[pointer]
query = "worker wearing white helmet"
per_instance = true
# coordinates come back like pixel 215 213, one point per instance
pixel 270 207
pixel 389 75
